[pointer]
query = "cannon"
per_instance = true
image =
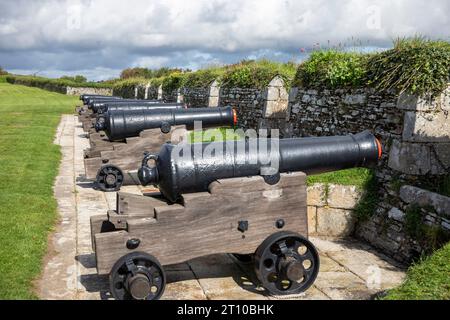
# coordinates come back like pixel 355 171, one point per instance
pixel 122 124
pixel 84 97
pixel 112 164
pixel 103 107
pixel 87 99
pixel 235 201
pixel 175 173
pixel 101 113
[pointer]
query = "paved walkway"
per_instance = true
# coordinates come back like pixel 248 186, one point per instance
pixel 349 269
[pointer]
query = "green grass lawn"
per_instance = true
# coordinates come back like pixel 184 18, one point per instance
pixel 426 280
pixel 29 162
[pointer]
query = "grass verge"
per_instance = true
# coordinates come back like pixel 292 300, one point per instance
pixel 428 279
pixel 29 163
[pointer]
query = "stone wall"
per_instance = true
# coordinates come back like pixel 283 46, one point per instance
pixel 414 132
pixel 152 93
pixel 419 156
pixel 330 209
pixel 74 91
pixel 249 104
pixel 196 97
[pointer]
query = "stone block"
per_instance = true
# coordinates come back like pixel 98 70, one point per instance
pixel 396 214
pixel 425 198
pixel 293 94
pixel 442 151
pixel 213 102
pixel 410 158
pixel 445 100
pixel 355 99
pixel 411 102
pixel 276 82
pixel 426 127
pixel 276 109
pixel 335 222
pixel 316 195
pixel 343 197
pixel 312 219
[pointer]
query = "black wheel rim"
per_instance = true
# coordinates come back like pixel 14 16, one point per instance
pixel 286 263
pixel 136 265
pixel 109 178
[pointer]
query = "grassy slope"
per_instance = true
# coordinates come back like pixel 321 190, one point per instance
pixel 427 280
pixel 28 165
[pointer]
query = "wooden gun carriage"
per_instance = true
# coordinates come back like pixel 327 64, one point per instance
pixel 134 242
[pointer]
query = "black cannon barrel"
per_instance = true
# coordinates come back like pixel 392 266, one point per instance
pixel 187 168
pixel 103 117
pixel 122 124
pixel 83 97
pixel 101 107
pixel 89 99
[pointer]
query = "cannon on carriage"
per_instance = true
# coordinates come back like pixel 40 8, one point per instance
pixel 243 197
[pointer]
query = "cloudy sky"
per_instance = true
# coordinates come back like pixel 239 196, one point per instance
pixel 98 38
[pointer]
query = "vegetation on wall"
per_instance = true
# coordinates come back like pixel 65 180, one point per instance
pixel 257 74
pixel 203 78
pixel 77 78
pixel 172 81
pixel 415 65
pixel 125 88
pixel 332 69
pixel 147 73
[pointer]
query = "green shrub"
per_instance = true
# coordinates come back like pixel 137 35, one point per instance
pixel 202 78
pixel 416 65
pixel 172 82
pixel 332 69
pixel 56 85
pixel 125 88
pixel 257 74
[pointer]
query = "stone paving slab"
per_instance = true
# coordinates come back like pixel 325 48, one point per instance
pixel 349 269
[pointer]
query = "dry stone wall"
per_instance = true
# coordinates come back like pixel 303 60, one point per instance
pixel 74 91
pixel 196 97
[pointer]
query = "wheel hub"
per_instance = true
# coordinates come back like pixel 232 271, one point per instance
pixel 139 286
pixel 110 179
pixel 294 270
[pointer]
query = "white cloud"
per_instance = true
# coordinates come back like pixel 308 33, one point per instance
pixel 113 34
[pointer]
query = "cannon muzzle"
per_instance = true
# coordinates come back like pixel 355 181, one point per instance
pixel 186 168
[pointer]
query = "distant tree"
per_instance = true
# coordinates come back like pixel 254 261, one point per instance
pixel 77 78
pixel 148 73
pixel 135 73
pixel 80 78
pixel 2 72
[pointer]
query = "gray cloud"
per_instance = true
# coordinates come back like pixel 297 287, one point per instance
pixel 101 37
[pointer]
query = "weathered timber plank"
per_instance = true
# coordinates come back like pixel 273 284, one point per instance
pixel 207 223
